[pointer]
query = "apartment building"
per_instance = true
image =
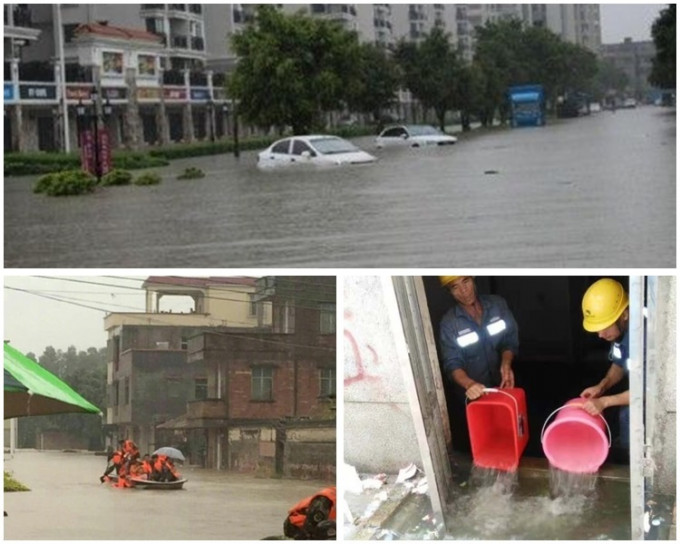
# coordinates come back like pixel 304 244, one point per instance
pixel 635 60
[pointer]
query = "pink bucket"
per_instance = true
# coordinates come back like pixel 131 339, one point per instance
pixel 576 441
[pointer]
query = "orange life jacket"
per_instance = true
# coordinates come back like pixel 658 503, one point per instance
pixel 298 514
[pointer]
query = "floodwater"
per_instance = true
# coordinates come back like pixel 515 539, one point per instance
pixel 597 191
pixel 67 502
pixel 511 508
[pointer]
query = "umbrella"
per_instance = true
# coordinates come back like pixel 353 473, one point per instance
pixel 31 390
pixel 173 453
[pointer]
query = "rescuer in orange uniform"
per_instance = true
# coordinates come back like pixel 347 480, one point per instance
pixel 313 518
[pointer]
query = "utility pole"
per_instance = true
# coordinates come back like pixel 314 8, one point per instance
pixel 59 34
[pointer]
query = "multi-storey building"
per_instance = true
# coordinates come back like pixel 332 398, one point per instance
pixel 148 378
pixel 269 396
pixel 158 70
pixel 635 60
pixel 243 380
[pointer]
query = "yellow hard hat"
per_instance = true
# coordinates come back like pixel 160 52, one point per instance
pixel 448 280
pixel 603 303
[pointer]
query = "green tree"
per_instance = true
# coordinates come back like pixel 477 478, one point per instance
pixel 375 90
pixel 85 372
pixel 610 79
pixel 663 64
pixel 430 71
pixel 292 69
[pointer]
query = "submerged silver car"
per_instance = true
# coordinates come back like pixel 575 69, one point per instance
pixel 413 136
pixel 319 150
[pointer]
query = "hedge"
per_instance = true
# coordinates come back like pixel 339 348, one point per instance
pixel 24 164
pixel 66 183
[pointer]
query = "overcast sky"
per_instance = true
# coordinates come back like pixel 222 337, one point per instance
pixel 33 321
pixel 628 20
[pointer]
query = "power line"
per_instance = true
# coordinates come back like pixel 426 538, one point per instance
pixel 159 321
pixel 208 297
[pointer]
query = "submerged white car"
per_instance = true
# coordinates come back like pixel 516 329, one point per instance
pixel 413 136
pixel 320 150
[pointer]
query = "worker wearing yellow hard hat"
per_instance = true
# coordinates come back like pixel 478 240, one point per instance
pixel 478 338
pixel 605 312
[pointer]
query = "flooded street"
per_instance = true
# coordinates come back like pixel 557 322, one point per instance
pixel 597 191
pixel 67 502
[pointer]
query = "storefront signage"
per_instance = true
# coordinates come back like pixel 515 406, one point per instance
pixel 79 93
pixel 148 93
pixel 37 92
pixel 200 94
pixel 114 93
pixel 105 162
pixel 9 91
pixel 175 94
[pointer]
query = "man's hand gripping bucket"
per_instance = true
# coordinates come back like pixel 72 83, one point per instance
pixel 575 441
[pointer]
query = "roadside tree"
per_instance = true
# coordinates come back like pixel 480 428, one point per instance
pixel 292 69
pixel 431 70
pixel 663 65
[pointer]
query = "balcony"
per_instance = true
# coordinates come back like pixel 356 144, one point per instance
pixel 19 24
pixel 180 42
pixel 196 9
pixel 207 409
pixel 177 7
pixel 197 43
pixel 416 14
pixel 152 7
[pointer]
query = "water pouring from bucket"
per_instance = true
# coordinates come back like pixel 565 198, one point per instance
pixel 498 428
pixel 576 441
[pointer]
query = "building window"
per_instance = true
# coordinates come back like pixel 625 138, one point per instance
pixel 174 388
pixel 116 400
pixel 262 383
pixel 327 318
pixel 185 343
pixel 126 391
pixel 285 318
pixel 252 307
pixel 327 382
pixel 201 388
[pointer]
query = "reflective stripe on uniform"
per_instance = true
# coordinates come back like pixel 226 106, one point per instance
pixel 468 339
pixel 496 327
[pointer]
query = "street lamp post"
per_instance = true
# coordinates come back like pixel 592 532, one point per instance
pixel 211 119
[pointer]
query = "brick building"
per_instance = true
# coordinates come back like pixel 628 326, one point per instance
pixel 269 401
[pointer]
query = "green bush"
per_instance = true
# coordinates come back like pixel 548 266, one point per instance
pixel 117 177
pixel 133 160
pixel 69 182
pixel 150 178
pixel 44 182
pixel 192 173
pixel 13 485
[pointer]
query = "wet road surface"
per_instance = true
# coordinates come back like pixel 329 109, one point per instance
pixel 597 191
pixel 67 502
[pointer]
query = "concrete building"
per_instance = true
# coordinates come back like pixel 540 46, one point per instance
pixel 245 380
pixel 148 379
pixel 269 402
pixel 635 60
pixel 397 407
pixel 575 23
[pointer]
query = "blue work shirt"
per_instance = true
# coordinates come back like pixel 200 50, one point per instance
pixel 475 348
pixel 618 355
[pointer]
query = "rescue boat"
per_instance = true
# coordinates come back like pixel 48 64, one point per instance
pixel 143 483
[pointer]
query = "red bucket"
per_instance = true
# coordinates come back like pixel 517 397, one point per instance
pixel 498 427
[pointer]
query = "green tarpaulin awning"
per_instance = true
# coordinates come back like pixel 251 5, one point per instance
pixel 31 390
